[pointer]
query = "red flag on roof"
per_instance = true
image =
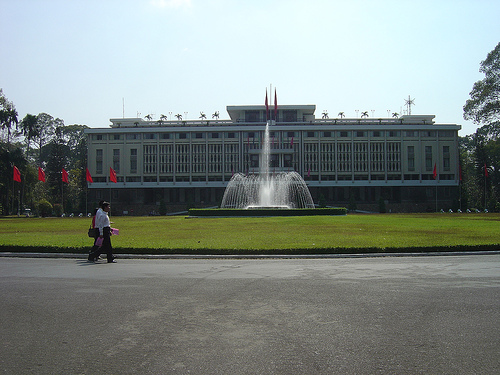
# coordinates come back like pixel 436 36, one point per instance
pixel 434 173
pixel 112 175
pixel 88 176
pixel 65 176
pixel 267 108
pixel 275 106
pixel 41 174
pixel 17 174
pixel 485 170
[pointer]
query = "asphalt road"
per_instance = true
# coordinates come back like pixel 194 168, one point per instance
pixel 391 315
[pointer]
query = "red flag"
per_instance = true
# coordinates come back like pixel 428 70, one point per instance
pixel 65 176
pixel 485 170
pixel 434 173
pixel 309 172
pixel 267 108
pixel 41 174
pixel 17 174
pixel 112 175
pixel 88 177
pixel 291 142
pixel 275 106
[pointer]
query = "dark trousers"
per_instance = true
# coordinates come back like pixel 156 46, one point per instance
pixel 105 247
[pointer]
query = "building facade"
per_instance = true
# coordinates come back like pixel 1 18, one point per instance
pixel 408 164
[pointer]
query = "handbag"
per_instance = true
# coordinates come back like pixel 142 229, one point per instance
pixel 93 232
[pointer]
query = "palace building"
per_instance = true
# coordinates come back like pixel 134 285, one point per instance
pixel 408 164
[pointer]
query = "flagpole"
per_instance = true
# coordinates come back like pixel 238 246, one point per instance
pixel 485 188
pixel 62 192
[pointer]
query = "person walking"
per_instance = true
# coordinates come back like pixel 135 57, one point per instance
pixel 102 222
pixel 92 251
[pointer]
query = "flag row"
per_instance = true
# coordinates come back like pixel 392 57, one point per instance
pixel 112 174
pixel 41 175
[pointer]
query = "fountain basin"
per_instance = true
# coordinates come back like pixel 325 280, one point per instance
pixel 265 212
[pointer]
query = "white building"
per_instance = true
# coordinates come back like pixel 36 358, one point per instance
pixel 410 163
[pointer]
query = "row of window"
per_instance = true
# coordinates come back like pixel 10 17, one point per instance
pixel 286 134
pixel 357 157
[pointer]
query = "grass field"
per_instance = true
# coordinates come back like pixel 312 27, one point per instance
pixel 310 234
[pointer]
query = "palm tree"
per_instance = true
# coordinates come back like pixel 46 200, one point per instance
pixel 395 115
pixel 203 116
pixel 325 115
pixel 148 117
pixel 364 114
pixel 8 114
pixel 216 115
pixel 341 114
pixel 29 129
pixel 179 116
pixel 163 118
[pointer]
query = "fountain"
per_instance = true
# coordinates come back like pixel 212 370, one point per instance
pixel 266 190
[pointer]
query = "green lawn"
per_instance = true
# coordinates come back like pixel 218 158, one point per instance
pixel 310 234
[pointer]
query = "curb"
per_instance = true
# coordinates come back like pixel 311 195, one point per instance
pixel 206 256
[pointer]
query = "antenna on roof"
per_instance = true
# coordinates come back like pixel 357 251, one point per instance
pixel 409 103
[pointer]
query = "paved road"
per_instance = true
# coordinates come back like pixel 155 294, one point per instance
pixel 408 315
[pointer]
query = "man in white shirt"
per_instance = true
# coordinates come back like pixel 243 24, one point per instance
pixel 103 224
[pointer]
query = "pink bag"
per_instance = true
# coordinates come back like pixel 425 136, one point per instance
pixel 98 242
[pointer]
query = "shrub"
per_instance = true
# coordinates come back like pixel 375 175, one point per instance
pixel 58 209
pixel 44 208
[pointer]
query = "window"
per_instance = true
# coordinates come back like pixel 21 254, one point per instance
pixel 198 135
pixel 230 135
pixel 133 136
pixel 428 158
pixel 327 134
pixel 311 134
pixel 376 134
pixel 446 158
pixel 98 161
pixel 290 116
pixel 214 135
pixel 428 134
pixel 411 158
pixel 344 134
pixel 165 136
pixel 149 136
pixel 360 134
pixel 117 137
pixel 133 160
pixel 150 154
pixel 252 116
pixel 98 137
pixel 182 135
pixel 116 160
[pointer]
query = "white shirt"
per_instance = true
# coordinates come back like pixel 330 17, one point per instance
pixel 101 220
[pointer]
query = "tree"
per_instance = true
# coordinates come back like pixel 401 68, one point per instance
pixel 484 105
pixel 46 126
pixel 57 152
pixel 482 149
pixel 29 130
pixel 8 115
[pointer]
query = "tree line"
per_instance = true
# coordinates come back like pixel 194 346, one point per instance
pixel 39 147
pixel 42 141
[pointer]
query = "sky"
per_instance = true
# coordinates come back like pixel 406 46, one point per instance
pixel 86 61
